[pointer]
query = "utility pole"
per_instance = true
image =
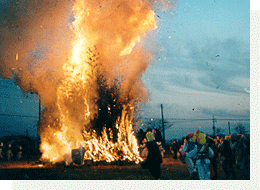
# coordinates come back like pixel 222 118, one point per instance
pixel 39 117
pixel 163 124
pixel 214 120
pixel 38 125
pixel 229 128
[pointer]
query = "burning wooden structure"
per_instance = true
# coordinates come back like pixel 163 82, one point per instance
pixel 96 98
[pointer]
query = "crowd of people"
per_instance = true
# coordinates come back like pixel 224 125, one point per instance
pixel 8 152
pixel 201 154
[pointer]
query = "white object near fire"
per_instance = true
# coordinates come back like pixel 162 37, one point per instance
pixel 78 155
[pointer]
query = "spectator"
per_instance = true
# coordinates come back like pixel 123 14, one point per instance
pixel 240 149
pixel 189 146
pixel 1 150
pixel 140 136
pixel 227 163
pixel 143 149
pixel 154 158
pixel 174 149
pixel 203 153
pixel 159 143
pixel 19 152
pixel 9 151
pixel 214 159
pixel 158 135
pixel 247 143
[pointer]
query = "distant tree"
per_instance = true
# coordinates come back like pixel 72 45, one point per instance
pixel 218 131
pixel 240 128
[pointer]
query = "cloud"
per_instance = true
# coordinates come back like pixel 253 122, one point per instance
pixel 247 91
pixel 210 65
pixel 224 113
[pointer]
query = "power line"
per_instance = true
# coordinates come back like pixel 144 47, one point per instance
pixel 174 120
pixel 183 119
pixel 10 115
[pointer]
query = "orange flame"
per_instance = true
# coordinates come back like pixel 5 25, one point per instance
pixel 96 25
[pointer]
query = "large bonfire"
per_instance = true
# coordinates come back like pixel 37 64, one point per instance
pixel 85 59
pixel 103 107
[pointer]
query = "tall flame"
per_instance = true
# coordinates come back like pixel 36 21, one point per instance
pixel 105 33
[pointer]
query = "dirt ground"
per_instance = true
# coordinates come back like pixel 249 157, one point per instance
pixel 171 170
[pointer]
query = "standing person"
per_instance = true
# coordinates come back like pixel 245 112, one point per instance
pixel 1 150
pixel 227 163
pixel 140 136
pixel 154 158
pixel 143 149
pixel 189 146
pixel 217 144
pixel 214 159
pixel 247 155
pixel 232 143
pixel 19 152
pixel 203 153
pixel 183 144
pixel 174 149
pixel 159 143
pixel 158 135
pixel 240 148
pixel 9 151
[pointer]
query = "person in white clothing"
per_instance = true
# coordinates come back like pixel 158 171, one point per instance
pixel 202 154
pixel 189 146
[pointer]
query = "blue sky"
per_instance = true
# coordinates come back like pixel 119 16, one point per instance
pixel 14 102
pixel 201 67
pixel 202 64
pixel 203 50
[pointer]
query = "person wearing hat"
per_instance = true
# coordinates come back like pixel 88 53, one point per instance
pixel 203 153
pixel 189 146
pixel 154 157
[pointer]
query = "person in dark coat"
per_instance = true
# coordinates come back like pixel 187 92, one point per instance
pixel 214 159
pixel 154 157
pixel 240 149
pixel 227 163
pixel 174 148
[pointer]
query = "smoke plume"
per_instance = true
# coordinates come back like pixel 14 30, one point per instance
pixel 80 57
